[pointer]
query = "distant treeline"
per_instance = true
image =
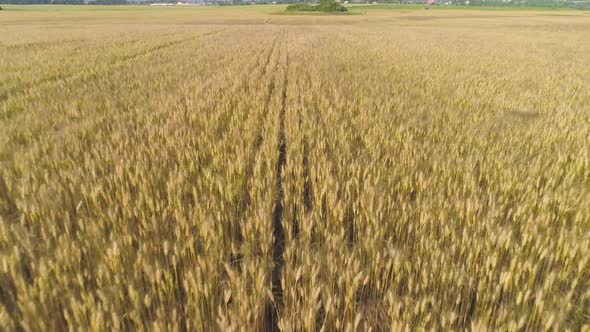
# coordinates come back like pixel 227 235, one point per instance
pixel 573 4
pixel 63 2
pixel 522 3
pixel 505 3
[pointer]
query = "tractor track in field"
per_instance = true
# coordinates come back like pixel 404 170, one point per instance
pixel 272 310
pixel 101 121
pixel 72 52
pixel 258 143
pixel 250 68
pixel 224 123
pixel 247 185
pixel 78 45
pixel 348 220
pixel 82 74
pixel 307 189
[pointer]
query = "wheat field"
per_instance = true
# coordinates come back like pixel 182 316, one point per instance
pixel 202 169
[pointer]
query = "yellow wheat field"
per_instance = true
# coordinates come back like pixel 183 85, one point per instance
pixel 202 169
